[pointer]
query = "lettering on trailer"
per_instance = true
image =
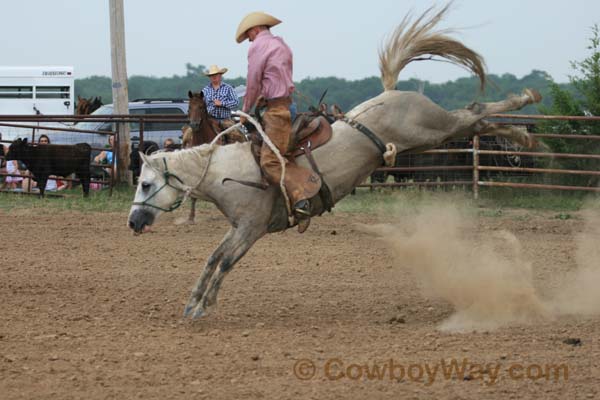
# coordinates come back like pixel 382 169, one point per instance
pixel 56 73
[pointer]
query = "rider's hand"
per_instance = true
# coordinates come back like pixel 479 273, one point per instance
pixel 218 102
pixel 243 120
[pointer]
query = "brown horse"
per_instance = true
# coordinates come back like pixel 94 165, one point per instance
pixel 203 130
pixel 87 106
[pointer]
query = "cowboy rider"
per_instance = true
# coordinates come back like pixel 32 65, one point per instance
pixel 270 77
pixel 220 97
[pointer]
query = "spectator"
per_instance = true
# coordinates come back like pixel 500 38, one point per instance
pixel 169 145
pixel 10 167
pixel 106 156
pixel 43 139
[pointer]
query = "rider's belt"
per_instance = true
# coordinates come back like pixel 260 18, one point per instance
pixel 279 101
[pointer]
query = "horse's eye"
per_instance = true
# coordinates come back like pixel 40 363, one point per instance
pixel 145 186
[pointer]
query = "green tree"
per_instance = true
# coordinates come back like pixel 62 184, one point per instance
pixel 583 98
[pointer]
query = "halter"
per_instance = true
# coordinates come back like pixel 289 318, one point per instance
pixel 177 203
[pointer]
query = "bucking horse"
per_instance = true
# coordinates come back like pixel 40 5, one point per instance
pixel 408 120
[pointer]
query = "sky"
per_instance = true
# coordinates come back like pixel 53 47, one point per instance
pixel 328 38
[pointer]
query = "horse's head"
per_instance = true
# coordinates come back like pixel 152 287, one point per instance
pixel 197 112
pixel 159 190
pixel 83 106
pixel 96 104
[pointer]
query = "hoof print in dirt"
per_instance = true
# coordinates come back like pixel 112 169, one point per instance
pixel 397 320
pixel 572 341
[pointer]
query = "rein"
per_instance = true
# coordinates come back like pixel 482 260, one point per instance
pixel 188 189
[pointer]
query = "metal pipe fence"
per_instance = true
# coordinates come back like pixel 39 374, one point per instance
pixel 472 164
pixel 472 158
pixel 32 126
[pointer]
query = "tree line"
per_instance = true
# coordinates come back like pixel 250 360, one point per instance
pixel 345 93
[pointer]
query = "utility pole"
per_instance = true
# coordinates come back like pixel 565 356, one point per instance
pixel 120 92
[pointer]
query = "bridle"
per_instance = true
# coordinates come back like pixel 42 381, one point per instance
pixel 187 190
pixel 180 199
pixel 195 124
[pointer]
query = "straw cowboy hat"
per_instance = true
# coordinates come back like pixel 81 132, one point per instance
pixel 214 70
pixel 251 20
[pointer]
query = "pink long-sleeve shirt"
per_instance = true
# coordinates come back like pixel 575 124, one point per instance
pixel 269 69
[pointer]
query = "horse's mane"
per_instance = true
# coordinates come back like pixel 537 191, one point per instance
pixel 408 43
pixel 177 160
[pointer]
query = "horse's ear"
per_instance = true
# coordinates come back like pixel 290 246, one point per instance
pixel 144 159
pixel 78 98
pixel 24 141
pixel 190 94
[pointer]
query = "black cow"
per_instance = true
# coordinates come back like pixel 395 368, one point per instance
pixel 53 159
pixel 135 162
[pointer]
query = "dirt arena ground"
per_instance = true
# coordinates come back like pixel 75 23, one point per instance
pixel 90 311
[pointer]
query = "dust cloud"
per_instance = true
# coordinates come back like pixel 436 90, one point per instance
pixel 580 294
pixel 485 276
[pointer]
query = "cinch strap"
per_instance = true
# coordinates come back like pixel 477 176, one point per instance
pixel 368 133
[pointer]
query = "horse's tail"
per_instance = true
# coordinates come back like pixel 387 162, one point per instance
pixel 408 43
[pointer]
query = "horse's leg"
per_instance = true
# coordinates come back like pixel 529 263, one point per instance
pixel 207 273
pixel 512 103
pixel 191 218
pixel 517 134
pixel 469 120
pixel 240 242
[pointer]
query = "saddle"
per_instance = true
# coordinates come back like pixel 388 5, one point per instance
pixel 307 127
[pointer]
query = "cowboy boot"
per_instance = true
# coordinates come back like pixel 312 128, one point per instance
pixel 302 214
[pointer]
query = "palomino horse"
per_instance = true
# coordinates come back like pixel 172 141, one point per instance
pixel 87 106
pixel 409 120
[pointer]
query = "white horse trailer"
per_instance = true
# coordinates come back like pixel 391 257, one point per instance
pixel 37 90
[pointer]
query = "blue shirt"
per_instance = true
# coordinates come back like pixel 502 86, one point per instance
pixel 226 95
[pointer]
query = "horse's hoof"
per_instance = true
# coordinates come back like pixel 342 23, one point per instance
pixel 185 221
pixel 199 313
pixel 187 311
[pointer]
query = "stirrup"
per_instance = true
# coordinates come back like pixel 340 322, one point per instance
pixel 302 207
pixel 302 215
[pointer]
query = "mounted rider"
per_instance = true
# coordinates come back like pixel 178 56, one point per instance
pixel 270 67
pixel 220 98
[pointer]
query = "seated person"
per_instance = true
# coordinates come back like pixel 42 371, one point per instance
pixel 13 182
pixel 3 151
pixel 169 145
pixel 52 184
pixel 106 156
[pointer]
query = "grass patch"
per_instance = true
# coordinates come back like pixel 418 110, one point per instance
pixel 404 200
pixel 535 199
pixel 492 201
pixel 73 199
